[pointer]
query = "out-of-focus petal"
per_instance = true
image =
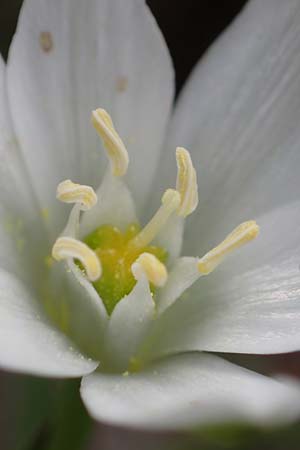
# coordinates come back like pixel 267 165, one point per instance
pixel 189 390
pixel 28 342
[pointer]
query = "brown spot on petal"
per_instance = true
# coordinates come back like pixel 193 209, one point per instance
pixel 122 84
pixel 46 41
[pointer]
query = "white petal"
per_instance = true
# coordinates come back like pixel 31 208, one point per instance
pixel 183 274
pixel 115 206
pixel 69 57
pixel 17 203
pixel 239 117
pixel 171 237
pixel 15 185
pixel 28 343
pixel 230 310
pixel 188 390
pixel 128 324
pixel 76 308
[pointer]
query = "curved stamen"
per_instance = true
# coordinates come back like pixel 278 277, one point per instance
pixel 70 248
pixel 186 183
pixel 170 202
pixel 114 145
pixel 155 271
pixel 69 192
pixel 241 235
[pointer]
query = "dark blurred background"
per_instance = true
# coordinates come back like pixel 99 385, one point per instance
pixel 38 414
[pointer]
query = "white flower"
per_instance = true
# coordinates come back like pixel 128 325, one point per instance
pixel 146 364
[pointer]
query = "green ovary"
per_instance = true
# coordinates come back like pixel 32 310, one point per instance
pixel 117 257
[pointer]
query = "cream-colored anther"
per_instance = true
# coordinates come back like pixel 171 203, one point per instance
pixel 170 202
pixel 70 192
pixel 114 145
pixel 241 235
pixel 186 183
pixel 70 248
pixel 151 267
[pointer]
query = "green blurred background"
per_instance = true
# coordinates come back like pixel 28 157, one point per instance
pixel 40 414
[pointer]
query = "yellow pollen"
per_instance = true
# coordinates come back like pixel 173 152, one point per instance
pixel 45 213
pixel 49 261
pixel 239 236
pixel 117 257
pixel 170 202
pixel 114 145
pixel 70 248
pixel 186 183
pixel 149 265
pixel 69 192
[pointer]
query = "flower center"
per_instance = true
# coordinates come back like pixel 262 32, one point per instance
pixel 114 260
pixel 117 255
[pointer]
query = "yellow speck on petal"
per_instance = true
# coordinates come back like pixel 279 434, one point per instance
pixel 135 365
pixel 13 225
pixel 70 192
pixel 20 244
pixel 19 225
pixel 147 264
pixel 121 84
pixel 69 248
pixel 46 41
pixel 241 235
pixel 115 147
pixel 49 261
pixel 131 140
pixel 64 317
pixel 186 183
pixel 45 214
pixel 8 225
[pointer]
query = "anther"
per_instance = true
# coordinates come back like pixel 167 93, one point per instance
pixel 70 192
pixel 241 235
pixel 70 248
pixel 170 202
pixel 186 183
pixel 114 145
pixel 155 271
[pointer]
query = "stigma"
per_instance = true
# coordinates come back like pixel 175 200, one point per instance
pixel 70 192
pixel 114 260
pixel 69 248
pixel 113 144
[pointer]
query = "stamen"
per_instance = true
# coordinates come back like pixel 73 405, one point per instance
pixel 115 147
pixel 186 183
pixel 70 192
pixel 69 248
pixel 150 266
pixel 170 202
pixel 239 236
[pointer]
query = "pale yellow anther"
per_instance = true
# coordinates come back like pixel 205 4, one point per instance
pixel 114 145
pixel 186 183
pixel 148 265
pixel 239 236
pixel 70 248
pixel 170 202
pixel 70 192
